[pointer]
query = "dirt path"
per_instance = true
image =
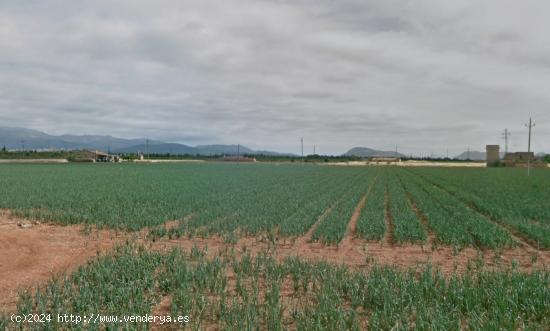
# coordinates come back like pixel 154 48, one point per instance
pixel 162 309
pixel 30 256
pixel 365 254
pixel 346 242
pixel 431 239
pixel 307 237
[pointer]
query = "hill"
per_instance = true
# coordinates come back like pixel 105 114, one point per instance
pixel 471 155
pixel 223 149
pixel 474 156
pixel 180 149
pixel 159 148
pixel 367 152
pixel 17 138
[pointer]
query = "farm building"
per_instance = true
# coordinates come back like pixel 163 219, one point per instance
pixel 376 160
pixel 520 159
pixel 517 159
pixel 96 156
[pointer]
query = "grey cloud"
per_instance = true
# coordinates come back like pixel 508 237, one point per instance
pixel 263 73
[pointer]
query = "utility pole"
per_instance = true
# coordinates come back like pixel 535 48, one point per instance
pixel 505 135
pixel 302 142
pixel 147 147
pixel 22 144
pixel 395 150
pixel 314 153
pixel 468 154
pixel 530 126
pixel 447 153
pixel 238 152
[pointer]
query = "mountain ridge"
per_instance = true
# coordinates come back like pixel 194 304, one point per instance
pixel 17 138
pixel 368 152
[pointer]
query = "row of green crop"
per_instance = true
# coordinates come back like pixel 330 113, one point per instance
pixel 305 217
pixel 506 195
pixel 372 223
pixel 212 198
pixel 332 228
pixel 281 200
pixel 452 221
pixel 253 293
pixel 289 210
pixel 406 225
pixel 268 209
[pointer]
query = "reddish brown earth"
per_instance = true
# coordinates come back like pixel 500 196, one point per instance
pixel 362 254
pixel 30 256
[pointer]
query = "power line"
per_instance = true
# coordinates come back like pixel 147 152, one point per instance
pixel 541 115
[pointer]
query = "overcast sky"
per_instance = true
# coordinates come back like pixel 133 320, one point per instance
pixel 422 75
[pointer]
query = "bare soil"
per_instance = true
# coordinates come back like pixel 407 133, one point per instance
pixel 32 255
pixel 307 238
pixel 363 254
pixel 346 243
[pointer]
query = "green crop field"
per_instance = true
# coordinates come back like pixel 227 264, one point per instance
pixel 463 207
pixel 480 210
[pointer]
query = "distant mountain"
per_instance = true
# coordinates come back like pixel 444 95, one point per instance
pixel 173 148
pixel 223 149
pixel 367 152
pixel 474 156
pixel 105 141
pixel 17 138
pixel 13 138
pixel 270 153
pixel 159 148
